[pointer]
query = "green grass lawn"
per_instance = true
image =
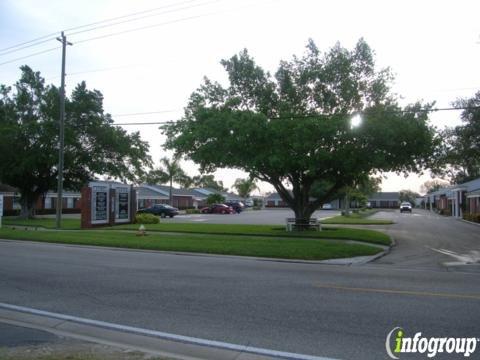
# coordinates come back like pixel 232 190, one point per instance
pixel 49 223
pixel 364 235
pixel 360 218
pixel 269 246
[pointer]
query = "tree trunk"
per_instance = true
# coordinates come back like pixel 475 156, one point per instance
pixel 171 196
pixel 346 206
pixel 28 208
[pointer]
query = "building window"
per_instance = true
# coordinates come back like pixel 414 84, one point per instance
pixel 70 203
pixel 48 203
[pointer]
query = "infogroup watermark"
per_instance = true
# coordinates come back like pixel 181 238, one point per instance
pixel 398 343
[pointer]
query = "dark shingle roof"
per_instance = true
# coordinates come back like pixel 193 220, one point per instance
pixel 393 196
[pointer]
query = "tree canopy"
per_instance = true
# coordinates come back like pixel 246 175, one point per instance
pixel 294 131
pixel 409 195
pixel 29 124
pixel 460 155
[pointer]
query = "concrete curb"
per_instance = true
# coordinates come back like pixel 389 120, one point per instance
pixel 470 222
pixel 339 261
pixel 144 340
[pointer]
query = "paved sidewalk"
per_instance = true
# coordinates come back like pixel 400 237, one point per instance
pixel 22 343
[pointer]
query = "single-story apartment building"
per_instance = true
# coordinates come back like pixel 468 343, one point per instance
pixel 148 195
pixel 455 200
pixel 46 204
pixel 384 200
pixel 377 200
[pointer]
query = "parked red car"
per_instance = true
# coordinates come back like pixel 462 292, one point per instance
pixel 218 209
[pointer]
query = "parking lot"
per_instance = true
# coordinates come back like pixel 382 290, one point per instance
pixel 254 217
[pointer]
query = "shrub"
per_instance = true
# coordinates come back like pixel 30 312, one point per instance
pixel 192 211
pixel 215 199
pixel 472 217
pixel 146 219
pixel 257 208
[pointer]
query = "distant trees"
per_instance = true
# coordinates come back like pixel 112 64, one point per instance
pixel 409 195
pixel 430 186
pixel 94 146
pixel 215 199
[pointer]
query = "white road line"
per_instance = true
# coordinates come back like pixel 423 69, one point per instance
pixel 471 258
pixel 164 335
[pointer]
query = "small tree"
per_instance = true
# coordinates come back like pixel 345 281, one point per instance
pixel 208 181
pixel 168 173
pixel 433 185
pixel 215 199
pixel 409 195
pixel 244 187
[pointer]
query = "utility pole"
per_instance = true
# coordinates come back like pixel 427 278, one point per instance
pixel 63 40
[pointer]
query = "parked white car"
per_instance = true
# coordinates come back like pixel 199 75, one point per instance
pixel 405 206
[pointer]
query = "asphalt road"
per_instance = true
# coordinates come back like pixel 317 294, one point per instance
pixel 326 310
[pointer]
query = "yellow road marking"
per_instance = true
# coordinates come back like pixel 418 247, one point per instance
pixel 399 292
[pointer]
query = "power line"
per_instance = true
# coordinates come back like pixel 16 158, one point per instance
pixel 147 27
pixel 119 33
pixel 148 113
pixel 316 116
pixel 49 37
pixel 147 123
pixel 145 16
pixel 27 46
pixel 31 55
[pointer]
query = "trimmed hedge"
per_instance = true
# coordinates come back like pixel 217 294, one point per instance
pixel 192 211
pixel 472 217
pixel 146 219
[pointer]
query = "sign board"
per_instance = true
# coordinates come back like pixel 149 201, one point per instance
pixel 122 203
pixel 100 204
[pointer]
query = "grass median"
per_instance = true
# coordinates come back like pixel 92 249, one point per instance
pixel 363 235
pixel 271 247
pixel 357 218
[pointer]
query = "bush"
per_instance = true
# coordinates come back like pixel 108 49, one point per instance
pixel 472 217
pixel 146 219
pixel 257 208
pixel 192 211
pixel 215 199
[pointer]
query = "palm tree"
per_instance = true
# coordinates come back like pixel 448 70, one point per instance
pixel 245 186
pixel 168 172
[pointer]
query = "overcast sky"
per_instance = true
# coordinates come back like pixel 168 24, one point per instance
pixel 433 48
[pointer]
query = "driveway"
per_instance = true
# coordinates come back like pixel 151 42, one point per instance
pixel 427 240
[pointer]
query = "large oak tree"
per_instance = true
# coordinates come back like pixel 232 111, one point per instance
pixel 294 129
pixel 29 139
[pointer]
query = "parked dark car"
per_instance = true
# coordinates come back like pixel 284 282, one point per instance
pixel 236 205
pixel 218 209
pixel 162 210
